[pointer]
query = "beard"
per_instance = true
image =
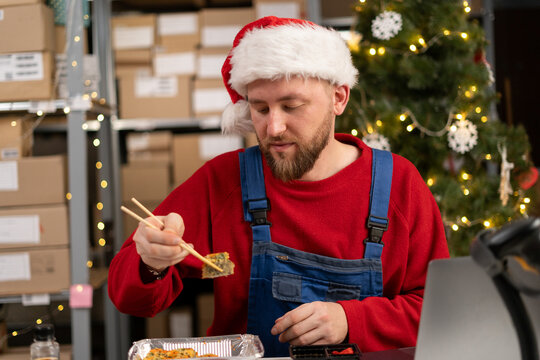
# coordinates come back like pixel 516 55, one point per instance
pixel 303 160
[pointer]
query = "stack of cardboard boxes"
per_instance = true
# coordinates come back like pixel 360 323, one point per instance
pixel 34 241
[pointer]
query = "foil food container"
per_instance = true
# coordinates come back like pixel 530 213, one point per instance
pixel 234 347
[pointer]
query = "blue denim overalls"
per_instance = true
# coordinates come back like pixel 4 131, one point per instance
pixel 283 278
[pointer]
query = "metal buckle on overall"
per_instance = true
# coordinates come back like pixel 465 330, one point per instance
pixel 376 230
pixel 259 215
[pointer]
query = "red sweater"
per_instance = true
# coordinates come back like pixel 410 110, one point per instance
pixel 325 217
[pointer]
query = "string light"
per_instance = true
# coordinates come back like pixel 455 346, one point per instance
pixel 89 264
pixel 468 94
pixel 99 206
pixel 14 123
pixel 430 181
pixel 104 184
pixel 100 225
pixel 455 227
pixel 96 142
pixel 484 119
pixel 410 128
pixel 68 196
pixel 372 51
pixel 487 223
pixel 369 129
pixel 464 35
pixel 100 117
pixel 381 50
pixel 39 113
pixel 85 126
pixel 354 132
pixel 412 47
pixel 488 157
pixel 526 200
pixel 421 41
pixel 378 123
pixel 67 110
pixel 99 165
pixel 478 109
pixel 102 242
pixel 467 9
pixel 74 63
pixel 402 117
pixel 459 116
pixel 465 176
pixel 466 192
pixel 77 38
pixel 464 219
pixel 39 321
pixel 446 32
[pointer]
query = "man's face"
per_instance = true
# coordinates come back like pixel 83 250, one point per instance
pixel 293 120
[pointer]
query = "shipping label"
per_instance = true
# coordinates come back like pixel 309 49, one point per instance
pixel 21 229
pixel 152 86
pixel 21 67
pixel 177 24
pixel 209 100
pixel 133 37
pixel 9 179
pixel 214 36
pixel 15 267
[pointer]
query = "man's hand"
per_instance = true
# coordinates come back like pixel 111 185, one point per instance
pixel 160 248
pixel 312 323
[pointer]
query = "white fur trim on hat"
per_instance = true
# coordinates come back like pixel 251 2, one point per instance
pixel 236 119
pixel 289 50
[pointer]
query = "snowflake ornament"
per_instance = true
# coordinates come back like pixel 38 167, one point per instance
pixel 376 141
pixel 462 136
pixel 386 25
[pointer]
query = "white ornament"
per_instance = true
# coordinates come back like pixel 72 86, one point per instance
pixel 462 136
pixel 376 141
pixel 386 25
pixel 505 188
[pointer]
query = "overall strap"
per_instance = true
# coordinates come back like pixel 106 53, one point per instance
pixel 379 197
pixel 254 200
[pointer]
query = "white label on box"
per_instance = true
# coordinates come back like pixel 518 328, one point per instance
pixel 152 86
pixel 209 66
pixel 284 9
pixel 208 100
pixel 174 64
pixel 212 145
pixel 21 229
pixel 9 179
pixel 212 36
pixel 36 299
pixel 21 67
pixel 138 142
pixel 177 24
pixel 15 267
pixel 9 154
pixel 133 37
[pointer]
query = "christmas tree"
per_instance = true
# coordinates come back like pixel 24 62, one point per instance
pixel 426 92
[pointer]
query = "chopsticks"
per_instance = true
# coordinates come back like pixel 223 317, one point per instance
pixel 184 246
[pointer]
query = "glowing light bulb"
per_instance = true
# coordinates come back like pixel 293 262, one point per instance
pixel 459 116
pixel 14 333
pixel 474 88
pixel 372 51
pixel 466 192
pixel 99 165
pixel 102 242
pixel 68 196
pixel 14 123
pixel 74 63
pixel 39 113
pixel 484 119
pixel 100 117
pixel 354 132
pixel 381 50
pixel 60 308
pixel 455 227
pixel 96 142
pixel 39 321
pixel 100 225
pixel 478 109
pixel 89 264
pixel 464 219
pixel 77 38
pixel 378 123
pixel 526 200
pixel 453 128
pixel 370 129
pixel 99 206
pixel 410 128
pixel 467 9
pixel 430 181
pixel 464 35
pixel 67 110
pixel 487 223
pixel 468 94
pixel 488 157
pixel 104 184
pixel 402 117
pixel 421 41
pixel 412 47
pixel 446 32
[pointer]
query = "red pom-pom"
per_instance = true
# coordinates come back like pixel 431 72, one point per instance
pixel 527 179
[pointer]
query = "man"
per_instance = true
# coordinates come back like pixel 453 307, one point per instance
pixel 331 239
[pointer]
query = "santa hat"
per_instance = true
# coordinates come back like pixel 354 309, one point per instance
pixel 271 48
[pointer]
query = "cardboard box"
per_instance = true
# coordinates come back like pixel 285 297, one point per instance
pixel 33 181
pixel 18 2
pixel 210 61
pixel 209 97
pixel 145 181
pixel 36 226
pixel 16 137
pixel 178 30
pixel 157 156
pixel 60 39
pixel 129 223
pixel 34 271
pixel 144 141
pixel 145 96
pixel 295 9
pixel 133 57
pixel 26 76
pixel 220 26
pixel 191 151
pixel 132 32
pixel 26 28
pixel 131 70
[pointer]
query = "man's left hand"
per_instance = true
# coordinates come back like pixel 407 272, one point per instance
pixel 312 324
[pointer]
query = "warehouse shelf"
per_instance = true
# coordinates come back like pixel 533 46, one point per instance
pixel 52 106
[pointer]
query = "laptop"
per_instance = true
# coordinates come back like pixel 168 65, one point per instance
pixel 464 318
